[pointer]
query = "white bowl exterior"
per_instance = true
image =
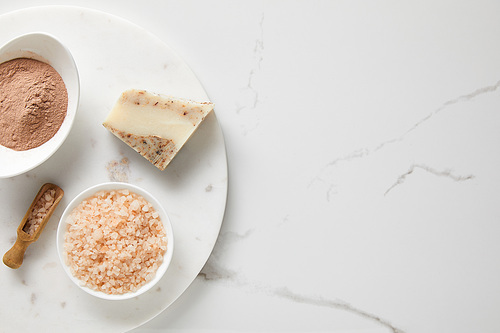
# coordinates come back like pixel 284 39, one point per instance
pixel 61 229
pixel 46 48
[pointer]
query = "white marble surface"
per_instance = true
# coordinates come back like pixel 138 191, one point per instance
pixel 362 143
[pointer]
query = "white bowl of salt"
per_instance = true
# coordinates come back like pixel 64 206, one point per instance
pixel 39 94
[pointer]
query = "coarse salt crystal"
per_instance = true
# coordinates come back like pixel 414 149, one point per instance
pixel 98 225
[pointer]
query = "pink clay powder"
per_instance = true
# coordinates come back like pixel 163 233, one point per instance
pixel 33 103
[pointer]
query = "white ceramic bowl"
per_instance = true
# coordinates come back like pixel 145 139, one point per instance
pixel 46 48
pixel 61 230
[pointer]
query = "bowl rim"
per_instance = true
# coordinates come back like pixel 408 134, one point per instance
pixel 73 80
pixel 167 258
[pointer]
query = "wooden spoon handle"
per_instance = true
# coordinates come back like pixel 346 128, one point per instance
pixel 14 257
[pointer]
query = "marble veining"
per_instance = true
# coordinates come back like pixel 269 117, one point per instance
pixel 252 99
pixel 215 271
pixel 448 173
pixel 258 53
pixel 366 151
pixel 334 304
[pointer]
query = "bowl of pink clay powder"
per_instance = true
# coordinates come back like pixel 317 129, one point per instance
pixel 39 94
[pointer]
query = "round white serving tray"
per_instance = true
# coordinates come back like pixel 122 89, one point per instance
pixel 112 55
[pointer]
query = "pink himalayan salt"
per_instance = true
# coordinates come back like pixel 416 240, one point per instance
pixel 115 242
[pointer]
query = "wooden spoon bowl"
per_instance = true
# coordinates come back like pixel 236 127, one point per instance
pixel 15 256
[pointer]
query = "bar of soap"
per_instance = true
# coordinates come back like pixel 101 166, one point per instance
pixel 156 126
